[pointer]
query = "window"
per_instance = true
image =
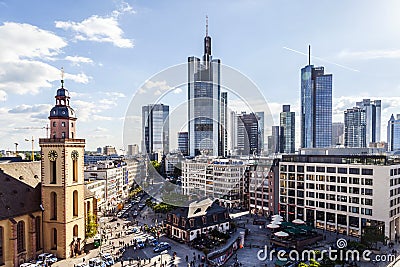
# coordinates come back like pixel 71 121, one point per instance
pixel 320 169
pixel 300 169
pixel 53 172
pixel 75 204
pixel 63 124
pixel 310 168
pixel 63 135
pixel 75 170
pixel 1 245
pixel 354 171
pixel 20 236
pixel 37 233
pixel 53 206
pixel 54 124
pixel 331 169
pixel 367 172
pixel 72 124
pixel 342 170
pixel 54 239
pixel 75 231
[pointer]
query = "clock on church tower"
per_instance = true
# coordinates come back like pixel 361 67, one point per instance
pixel 63 181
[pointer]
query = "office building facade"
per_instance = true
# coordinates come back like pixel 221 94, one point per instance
pixel 393 133
pixel 183 143
pixel 355 128
pixel 247 134
pixel 373 119
pixel 155 130
pixel 261 119
pixel 337 133
pixel 224 124
pixel 287 130
pixel 204 103
pixel 316 107
pixel 274 140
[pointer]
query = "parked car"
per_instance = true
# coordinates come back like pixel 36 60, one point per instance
pixel 108 259
pixel 129 232
pixel 47 258
pixel 161 247
pixel 96 262
pixel 82 264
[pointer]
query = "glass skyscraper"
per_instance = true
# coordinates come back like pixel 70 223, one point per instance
pixel 355 127
pixel 204 104
pixel 393 133
pixel 260 118
pixel 373 119
pixel 287 134
pixel 316 107
pixel 247 134
pixel 183 142
pixel 155 130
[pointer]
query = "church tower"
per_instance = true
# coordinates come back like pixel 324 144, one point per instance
pixel 63 181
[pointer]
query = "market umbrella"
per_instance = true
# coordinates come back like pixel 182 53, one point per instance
pixel 298 221
pixel 276 216
pixel 276 222
pixel 281 234
pixel 272 226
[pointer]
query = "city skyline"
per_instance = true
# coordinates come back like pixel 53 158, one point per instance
pixel 98 60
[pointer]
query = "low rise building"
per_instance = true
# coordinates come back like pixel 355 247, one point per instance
pixel 343 193
pixel 188 223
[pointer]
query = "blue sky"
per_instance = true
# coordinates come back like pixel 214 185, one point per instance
pixel 110 48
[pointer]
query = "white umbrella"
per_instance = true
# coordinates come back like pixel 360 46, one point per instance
pixel 276 222
pixel 272 226
pixel 281 234
pixel 276 216
pixel 298 221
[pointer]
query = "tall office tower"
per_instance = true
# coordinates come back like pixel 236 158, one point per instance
pixel 287 130
pixel 183 143
pixel 247 134
pixel 393 133
pixel 275 140
pixel 233 132
pixel 373 119
pixel 316 107
pixel 155 130
pixel 260 118
pixel 354 127
pixel 109 150
pixel 224 124
pixel 204 103
pixel 337 133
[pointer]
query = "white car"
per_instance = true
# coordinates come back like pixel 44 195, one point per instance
pixel 96 262
pixel 28 265
pixel 47 258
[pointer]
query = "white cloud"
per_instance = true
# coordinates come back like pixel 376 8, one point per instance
pixel 76 60
pixel 23 49
pixel 370 54
pixel 100 29
pixel 3 95
pixel 178 91
pixel 158 86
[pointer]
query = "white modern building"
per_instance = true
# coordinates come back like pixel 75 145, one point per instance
pixel 221 179
pixel 344 193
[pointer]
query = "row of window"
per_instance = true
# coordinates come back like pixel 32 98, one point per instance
pixel 300 169
pixel 339 207
pixel 53 171
pixel 53 205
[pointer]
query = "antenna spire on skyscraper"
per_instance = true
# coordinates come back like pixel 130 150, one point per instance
pixel 206 25
pixel 309 54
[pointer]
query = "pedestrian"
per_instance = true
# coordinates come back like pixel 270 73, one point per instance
pixel 187 258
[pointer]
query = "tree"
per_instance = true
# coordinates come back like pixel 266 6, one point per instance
pixel 156 165
pixel 91 225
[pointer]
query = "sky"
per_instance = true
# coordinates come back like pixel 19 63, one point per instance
pixel 109 49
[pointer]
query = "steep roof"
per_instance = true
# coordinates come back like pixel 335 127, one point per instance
pixel 20 191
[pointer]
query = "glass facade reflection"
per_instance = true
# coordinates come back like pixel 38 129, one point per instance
pixel 393 133
pixel 316 107
pixel 355 128
pixel 287 134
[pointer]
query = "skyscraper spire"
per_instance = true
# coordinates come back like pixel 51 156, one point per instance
pixel 309 54
pixel 206 26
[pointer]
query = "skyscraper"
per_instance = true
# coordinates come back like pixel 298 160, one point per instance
pixel 233 132
pixel 260 118
pixel 204 103
pixel 224 124
pixel 287 130
pixel 316 107
pixel 247 134
pixel 373 119
pixel 337 133
pixel 274 140
pixel 393 133
pixel 183 142
pixel 155 130
pixel 355 127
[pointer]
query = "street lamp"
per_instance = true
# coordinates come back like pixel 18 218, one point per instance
pixel 32 156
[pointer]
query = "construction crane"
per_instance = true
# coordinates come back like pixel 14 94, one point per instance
pixel 16 149
pixel 35 128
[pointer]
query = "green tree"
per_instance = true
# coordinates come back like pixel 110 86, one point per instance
pixel 156 165
pixel 91 225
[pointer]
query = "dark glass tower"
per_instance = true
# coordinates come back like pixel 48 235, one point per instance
pixel 393 133
pixel 355 127
pixel 204 103
pixel 247 134
pixel 316 107
pixel 287 134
